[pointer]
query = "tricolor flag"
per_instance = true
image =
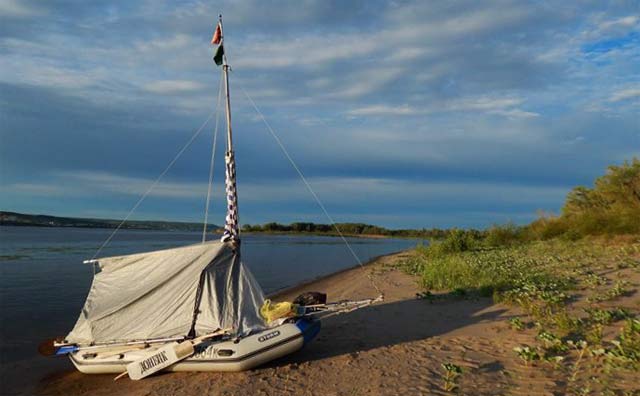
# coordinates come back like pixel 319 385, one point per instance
pixel 217 39
pixel 217 35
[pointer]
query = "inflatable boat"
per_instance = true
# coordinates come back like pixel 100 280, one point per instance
pixel 213 355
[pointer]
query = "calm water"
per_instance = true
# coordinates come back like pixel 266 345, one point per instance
pixel 43 282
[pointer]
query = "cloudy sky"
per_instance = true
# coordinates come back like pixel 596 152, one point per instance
pixel 400 113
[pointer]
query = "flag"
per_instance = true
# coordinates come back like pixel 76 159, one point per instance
pixel 219 54
pixel 217 35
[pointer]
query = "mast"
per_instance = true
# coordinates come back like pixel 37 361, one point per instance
pixel 225 72
pixel 231 229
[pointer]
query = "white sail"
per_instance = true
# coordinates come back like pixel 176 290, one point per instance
pixel 191 290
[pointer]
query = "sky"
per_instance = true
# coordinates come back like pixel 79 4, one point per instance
pixel 405 114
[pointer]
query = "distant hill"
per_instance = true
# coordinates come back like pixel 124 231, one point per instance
pixel 22 219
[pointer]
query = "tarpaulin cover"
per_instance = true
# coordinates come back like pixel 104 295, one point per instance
pixel 168 293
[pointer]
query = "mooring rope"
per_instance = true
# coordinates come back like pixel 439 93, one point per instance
pixel 153 185
pixel 315 196
pixel 213 158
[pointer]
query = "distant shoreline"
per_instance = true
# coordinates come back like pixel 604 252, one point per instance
pixel 218 234
pixel 351 230
pixel 329 234
pixel 15 219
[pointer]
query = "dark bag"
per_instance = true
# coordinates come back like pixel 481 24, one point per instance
pixel 311 298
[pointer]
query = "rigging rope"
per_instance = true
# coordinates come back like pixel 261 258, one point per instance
pixel 213 157
pixel 153 185
pixel 315 196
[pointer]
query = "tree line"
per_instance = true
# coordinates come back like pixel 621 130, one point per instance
pixel 345 228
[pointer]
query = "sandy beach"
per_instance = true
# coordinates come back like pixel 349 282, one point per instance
pixel 396 347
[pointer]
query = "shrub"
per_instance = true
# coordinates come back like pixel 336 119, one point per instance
pixel 455 242
pixel 503 235
pixel 611 207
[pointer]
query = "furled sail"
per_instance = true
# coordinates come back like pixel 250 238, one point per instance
pixel 231 232
pixel 191 290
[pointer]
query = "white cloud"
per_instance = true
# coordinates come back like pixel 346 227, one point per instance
pixel 173 86
pixel 515 113
pixel 365 82
pixel 124 185
pixel 623 22
pixel 383 110
pixel 178 41
pixel 14 8
pixel 482 103
pixel 504 106
pixel 305 51
pixel 624 94
pixel 37 189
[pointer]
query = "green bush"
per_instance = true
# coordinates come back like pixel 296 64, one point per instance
pixel 503 235
pixel 456 241
pixel 611 207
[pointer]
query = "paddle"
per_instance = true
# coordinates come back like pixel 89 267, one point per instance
pixel 58 347
pixel 166 356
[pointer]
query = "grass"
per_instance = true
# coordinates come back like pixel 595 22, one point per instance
pixel 511 272
pixel 450 376
pixel 527 354
pixel 561 285
pixel 517 324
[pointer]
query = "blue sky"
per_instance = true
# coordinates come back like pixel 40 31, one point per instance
pixel 400 113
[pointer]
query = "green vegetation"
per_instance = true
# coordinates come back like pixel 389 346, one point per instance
pixel 572 275
pixel 514 262
pixel 517 324
pixel 450 376
pixel 527 354
pixel 611 207
pixel 345 228
pixel 570 292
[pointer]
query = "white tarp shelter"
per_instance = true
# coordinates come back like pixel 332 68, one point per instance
pixel 192 290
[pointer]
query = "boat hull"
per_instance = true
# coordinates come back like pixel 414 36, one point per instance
pixel 245 354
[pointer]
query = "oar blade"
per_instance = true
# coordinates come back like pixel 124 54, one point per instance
pixel 159 359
